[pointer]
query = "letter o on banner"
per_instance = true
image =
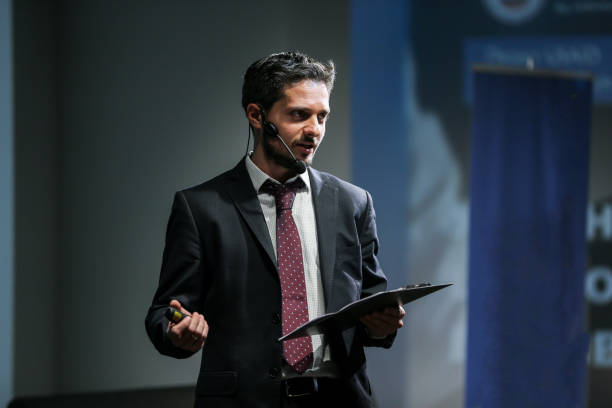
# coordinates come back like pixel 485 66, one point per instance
pixel 598 285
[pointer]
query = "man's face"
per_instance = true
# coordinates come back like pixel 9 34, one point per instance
pixel 300 118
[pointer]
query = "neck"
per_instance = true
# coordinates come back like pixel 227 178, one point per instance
pixel 270 167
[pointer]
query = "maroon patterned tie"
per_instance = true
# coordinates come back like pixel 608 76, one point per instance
pixel 297 352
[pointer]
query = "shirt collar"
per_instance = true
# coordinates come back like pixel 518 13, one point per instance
pixel 258 177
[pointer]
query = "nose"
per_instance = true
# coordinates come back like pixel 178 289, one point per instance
pixel 313 127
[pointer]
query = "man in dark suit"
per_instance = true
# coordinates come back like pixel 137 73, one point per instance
pixel 267 246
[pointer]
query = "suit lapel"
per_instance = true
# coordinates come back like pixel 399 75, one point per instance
pixel 325 200
pixel 240 189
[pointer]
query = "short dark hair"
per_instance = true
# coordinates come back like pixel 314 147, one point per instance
pixel 265 80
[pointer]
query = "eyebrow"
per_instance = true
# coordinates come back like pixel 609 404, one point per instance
pixel 303 108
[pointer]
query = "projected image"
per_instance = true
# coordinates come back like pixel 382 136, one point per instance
pixel 447 38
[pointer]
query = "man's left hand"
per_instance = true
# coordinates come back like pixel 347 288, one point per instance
pixel 385 322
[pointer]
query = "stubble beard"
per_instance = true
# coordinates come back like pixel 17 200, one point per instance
pixel 282 158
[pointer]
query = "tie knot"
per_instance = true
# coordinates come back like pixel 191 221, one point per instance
pixel 283 193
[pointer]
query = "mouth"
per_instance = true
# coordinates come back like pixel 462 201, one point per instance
pixel 305 148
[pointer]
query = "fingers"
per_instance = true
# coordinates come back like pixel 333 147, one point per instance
pixel 390 316
pixel 191 332
pixel 385 322
pixel 177 305
pixel 395 311
pixel 375 327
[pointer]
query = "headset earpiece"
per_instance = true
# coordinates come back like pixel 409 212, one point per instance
pixel 269 128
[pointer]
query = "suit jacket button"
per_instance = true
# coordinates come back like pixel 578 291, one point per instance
pixel 276 319
pixel 273 372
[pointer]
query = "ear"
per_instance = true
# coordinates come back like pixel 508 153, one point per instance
pixel 253 113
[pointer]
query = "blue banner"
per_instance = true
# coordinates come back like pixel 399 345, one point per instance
pixel 379 132
pixel 527 345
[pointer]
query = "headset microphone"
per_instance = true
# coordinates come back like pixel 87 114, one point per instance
pixel 270 129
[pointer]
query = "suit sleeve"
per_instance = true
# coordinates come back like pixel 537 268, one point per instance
pixel 180 277
pixel 374 280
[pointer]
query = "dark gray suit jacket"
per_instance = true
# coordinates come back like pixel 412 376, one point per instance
pixel 219 261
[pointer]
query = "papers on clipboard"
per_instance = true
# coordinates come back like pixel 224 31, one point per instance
pixel 349 315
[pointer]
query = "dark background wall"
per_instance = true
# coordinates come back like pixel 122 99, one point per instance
pixel 117 105
pixel 37 239
pixel 6 201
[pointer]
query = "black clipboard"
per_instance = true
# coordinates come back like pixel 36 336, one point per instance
pixel 349 315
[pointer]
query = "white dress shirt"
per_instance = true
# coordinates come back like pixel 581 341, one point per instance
pixel 304 217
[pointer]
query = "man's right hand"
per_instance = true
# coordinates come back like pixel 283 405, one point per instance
pixel 191 332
